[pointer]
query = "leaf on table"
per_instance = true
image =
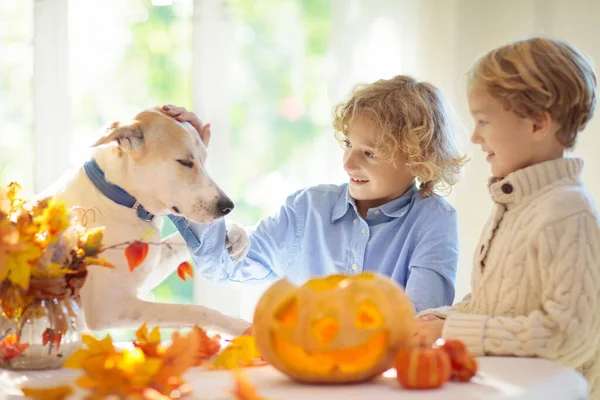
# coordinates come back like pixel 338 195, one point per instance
pixel 208 346
pixel 54 393
pixel 241 352
pixel 244 389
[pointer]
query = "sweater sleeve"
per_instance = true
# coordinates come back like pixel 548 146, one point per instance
pixel 566 327
pixel 442 312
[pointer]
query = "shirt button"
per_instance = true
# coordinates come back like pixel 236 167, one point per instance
pixel 507 188
pixel 354 267
pixel 363 231
pixel 377 212
pixel 355 221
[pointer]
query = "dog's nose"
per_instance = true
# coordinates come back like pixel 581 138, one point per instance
pixel 225 205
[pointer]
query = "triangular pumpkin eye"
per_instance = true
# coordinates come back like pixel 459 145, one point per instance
pixel 288 313
pixel 368 316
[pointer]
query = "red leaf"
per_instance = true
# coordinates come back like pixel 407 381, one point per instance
pixel 136 253
pixel 11 348
pixel 183 269
pixel 52 337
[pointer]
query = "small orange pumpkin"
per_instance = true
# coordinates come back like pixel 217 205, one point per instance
pixel 334 329
pixel 464 366
pixel 422 368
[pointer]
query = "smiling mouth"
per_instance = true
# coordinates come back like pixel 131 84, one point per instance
pixel 489 155
pixel 359 181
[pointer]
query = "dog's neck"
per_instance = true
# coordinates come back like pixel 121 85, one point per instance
pixel 116 166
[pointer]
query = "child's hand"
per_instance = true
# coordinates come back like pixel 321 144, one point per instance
pixel 428 317
pixel 427 332
pixel 237 242
pixel 183 115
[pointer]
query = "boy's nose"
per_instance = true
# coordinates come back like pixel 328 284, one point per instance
pixel 349 162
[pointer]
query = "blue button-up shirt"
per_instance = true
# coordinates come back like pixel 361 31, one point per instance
pixel 318 231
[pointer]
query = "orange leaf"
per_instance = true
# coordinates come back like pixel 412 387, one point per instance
pixel 177 358
pixel 208 346
pixel 136 253
pixel 150 344
pixel 54 393
pixel 183 269
pixel 244 389
pixel 52 337
pixel 11 348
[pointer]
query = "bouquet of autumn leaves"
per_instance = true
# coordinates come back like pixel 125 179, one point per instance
pixel 40 242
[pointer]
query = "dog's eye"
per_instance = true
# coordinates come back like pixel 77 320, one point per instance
pixel 186 163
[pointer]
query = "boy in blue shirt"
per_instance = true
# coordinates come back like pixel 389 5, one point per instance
pixel 399 149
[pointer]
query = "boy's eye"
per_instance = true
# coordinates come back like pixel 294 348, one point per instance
pixel 369 154
pixel 346 143
pixel 186 163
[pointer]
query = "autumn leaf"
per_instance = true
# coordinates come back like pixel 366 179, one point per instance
pixel 208 346
pixel 241 352
pixel 136 253
pixel 244 390
pixel 98 261
pixel 183 269
pixel 52 337
pixel 177 359
pixel 55 393
pixel 92 241
pixel 150 344
pixel 95 348
pixel 11 348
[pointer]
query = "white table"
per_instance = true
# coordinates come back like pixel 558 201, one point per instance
pixel 499 378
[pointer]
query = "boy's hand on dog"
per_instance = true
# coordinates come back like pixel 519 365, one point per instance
pixel 183 115
pixel 238 242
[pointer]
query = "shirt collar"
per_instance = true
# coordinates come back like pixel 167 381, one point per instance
pixel 395 208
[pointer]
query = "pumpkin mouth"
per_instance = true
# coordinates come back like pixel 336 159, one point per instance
pixel 351 360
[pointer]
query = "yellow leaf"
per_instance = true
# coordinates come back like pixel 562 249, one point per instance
pixel 54 220
pixel 98 261
pixel 241 352
pixel 92 241
pixel 55 393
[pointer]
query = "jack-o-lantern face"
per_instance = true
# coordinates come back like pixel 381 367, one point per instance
pixel 333 329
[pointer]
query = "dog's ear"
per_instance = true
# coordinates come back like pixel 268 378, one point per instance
pixel 129 137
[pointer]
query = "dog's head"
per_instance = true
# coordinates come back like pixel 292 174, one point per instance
pixel 164 163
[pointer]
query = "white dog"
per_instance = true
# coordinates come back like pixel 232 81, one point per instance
pixel 151 166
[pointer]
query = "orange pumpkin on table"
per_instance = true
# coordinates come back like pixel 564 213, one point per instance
pixel 464 366
pixel 335 329
pixel 422 368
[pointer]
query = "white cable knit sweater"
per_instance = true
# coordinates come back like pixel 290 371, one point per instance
pixel 536 273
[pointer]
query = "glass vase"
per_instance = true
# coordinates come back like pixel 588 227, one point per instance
pixel 48 328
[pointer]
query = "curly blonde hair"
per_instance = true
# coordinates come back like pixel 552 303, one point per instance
pixel 414 121
pixel 538 75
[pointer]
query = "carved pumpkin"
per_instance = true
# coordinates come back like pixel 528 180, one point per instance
pixel 334 329
pixel 464 366
pixel 422 368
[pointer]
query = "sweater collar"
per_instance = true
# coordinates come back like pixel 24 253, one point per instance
pixel 530 180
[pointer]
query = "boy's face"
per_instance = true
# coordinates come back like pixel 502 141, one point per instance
pixel 505 137
pixel 371 180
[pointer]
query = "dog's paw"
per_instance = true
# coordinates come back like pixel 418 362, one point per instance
pixel 238 241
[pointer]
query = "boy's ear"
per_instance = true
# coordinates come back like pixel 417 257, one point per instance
pixel 129 137
pixel 542 125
